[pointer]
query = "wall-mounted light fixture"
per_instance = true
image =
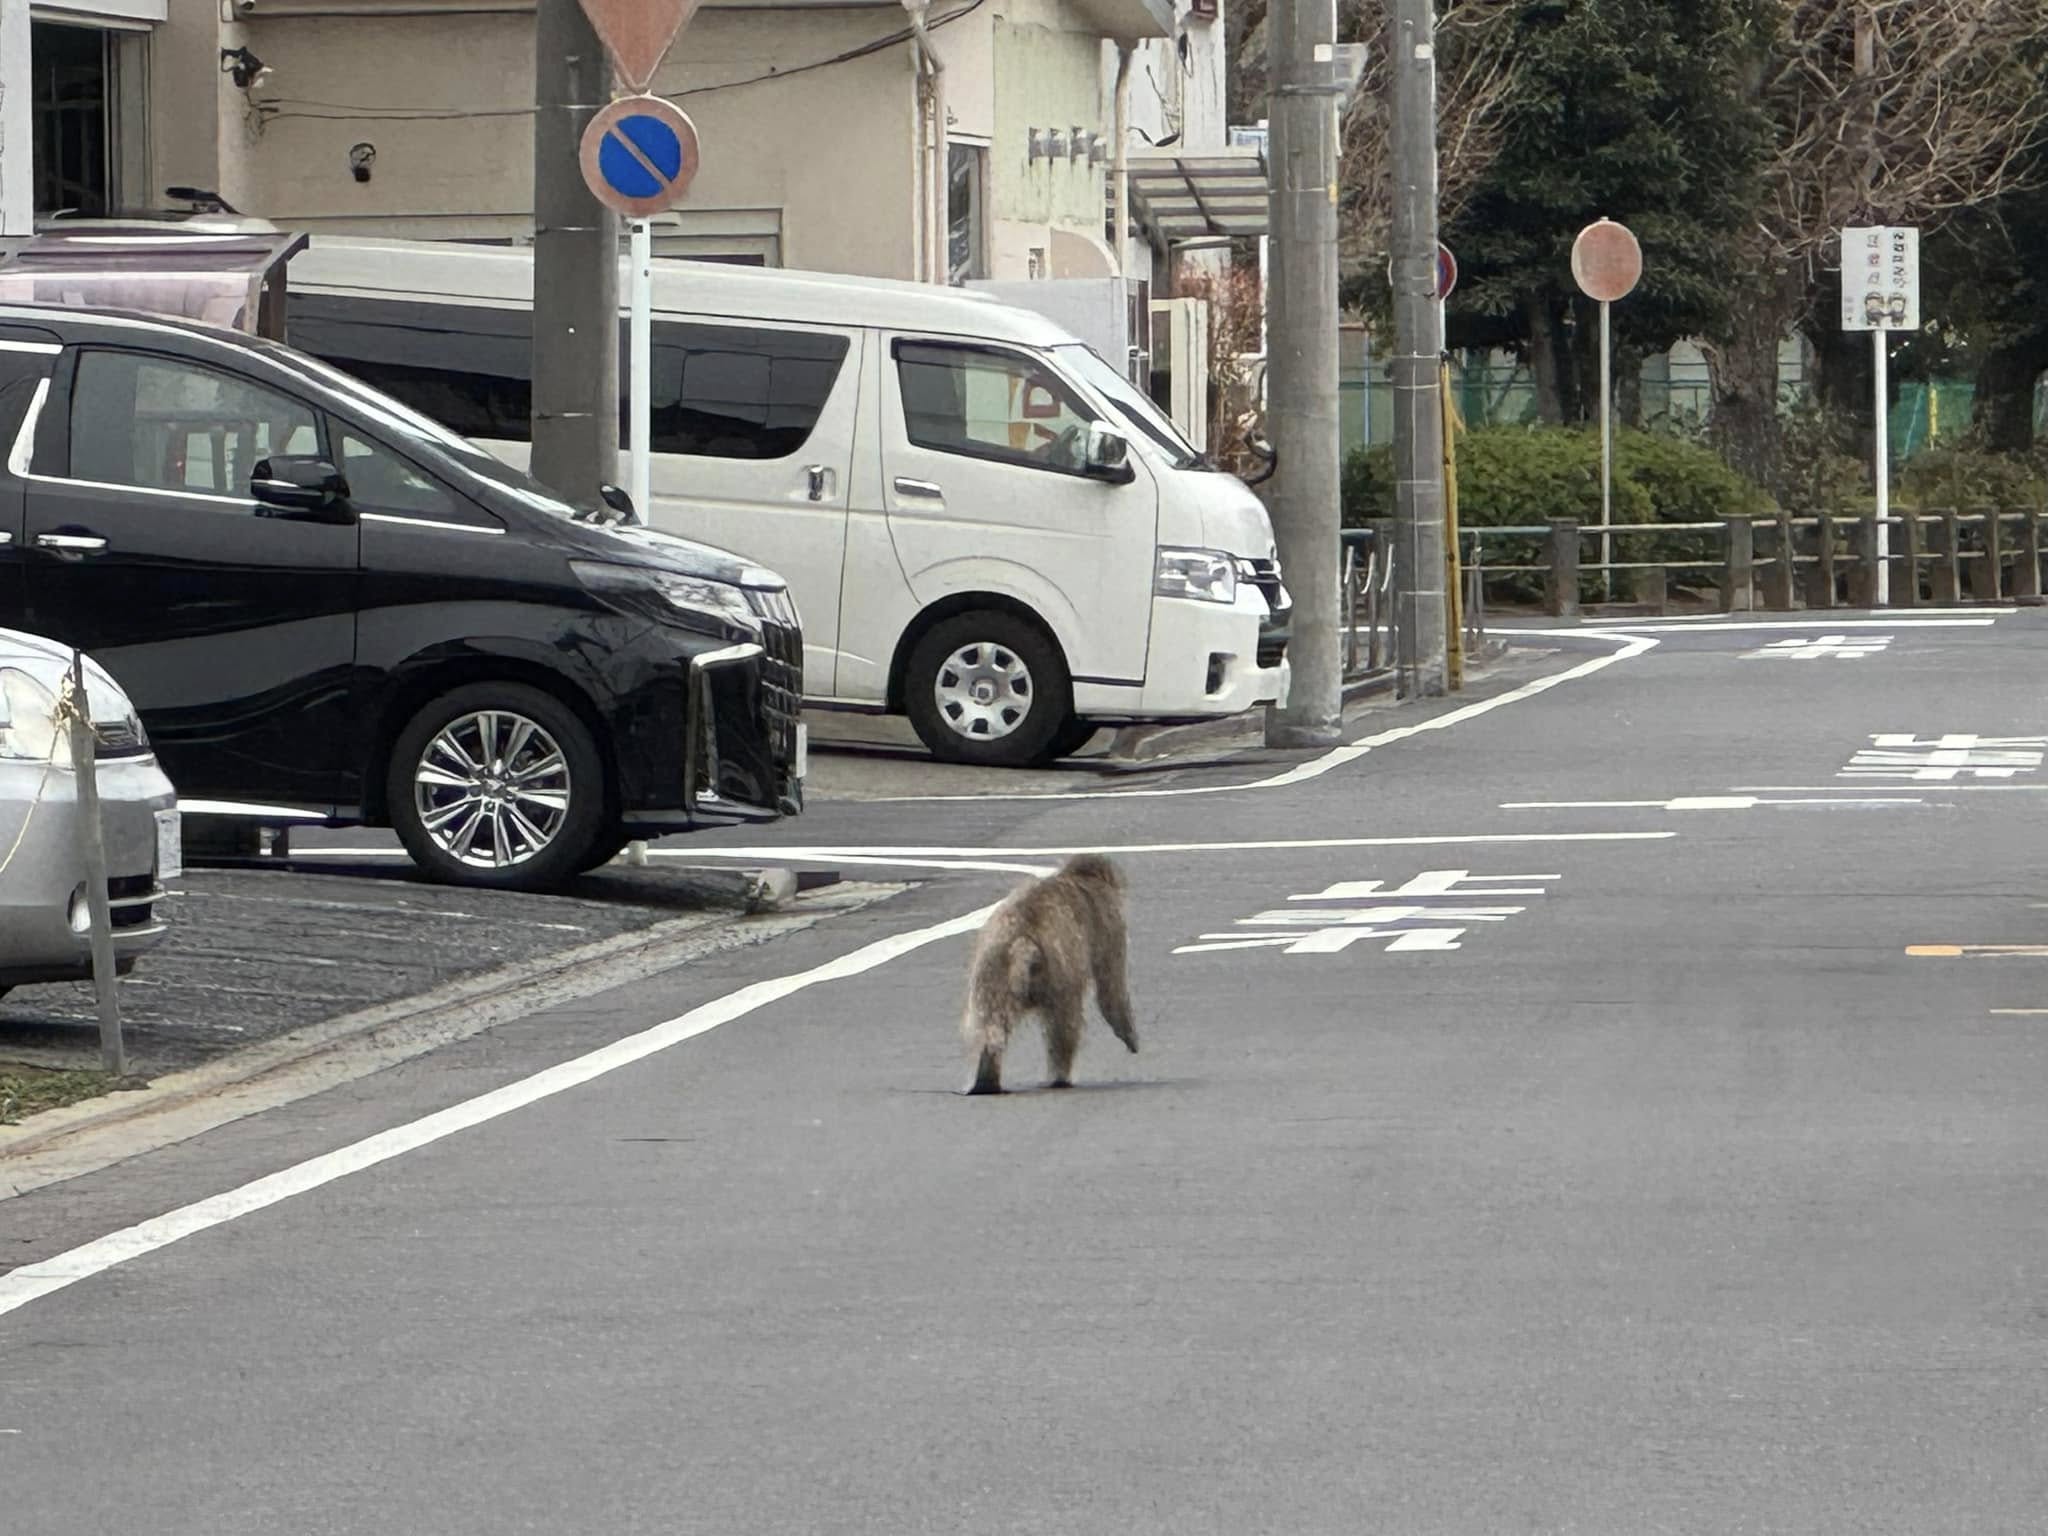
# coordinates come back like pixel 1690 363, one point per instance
pixel 1077 142
pixel 360 158
pixel 244 66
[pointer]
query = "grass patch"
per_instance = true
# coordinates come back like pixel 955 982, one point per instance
pixel 26 1091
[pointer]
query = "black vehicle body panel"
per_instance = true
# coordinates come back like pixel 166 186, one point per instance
pixel 275 657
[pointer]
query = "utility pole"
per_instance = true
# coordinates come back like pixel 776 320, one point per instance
pixel 1420 602
pixel 1301 350
pixel 575 265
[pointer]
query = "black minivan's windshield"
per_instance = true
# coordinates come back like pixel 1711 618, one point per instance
pixel 1130 404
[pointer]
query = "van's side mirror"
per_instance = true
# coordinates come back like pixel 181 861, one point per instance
pixel 1108 455
pixel 618 501
pixel 303 487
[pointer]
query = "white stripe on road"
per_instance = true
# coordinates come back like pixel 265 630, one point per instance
pixel 1336 757
pixel 1666 627
pixel 1700 803
pixel 1625 622
pixel 912 854
pixel 21 1286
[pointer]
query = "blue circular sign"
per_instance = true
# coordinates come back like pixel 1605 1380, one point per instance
pixel 639 155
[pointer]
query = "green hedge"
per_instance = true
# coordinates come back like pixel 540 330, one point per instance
pixel 1511 477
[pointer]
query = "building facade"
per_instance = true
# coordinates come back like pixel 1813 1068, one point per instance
pixel 828 141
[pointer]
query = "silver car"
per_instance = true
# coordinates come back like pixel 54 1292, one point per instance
pixel 45 925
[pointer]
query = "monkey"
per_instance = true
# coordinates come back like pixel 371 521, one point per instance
pixel 1038 953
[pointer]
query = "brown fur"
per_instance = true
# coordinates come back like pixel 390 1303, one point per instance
pixel 1039 953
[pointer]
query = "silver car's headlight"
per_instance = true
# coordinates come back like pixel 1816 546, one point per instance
pixel 695 602
pixel 28 720
pixel 1208 575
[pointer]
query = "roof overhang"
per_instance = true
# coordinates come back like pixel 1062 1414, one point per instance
pixel 231 279
pixel 1127 20
pixel 1201 197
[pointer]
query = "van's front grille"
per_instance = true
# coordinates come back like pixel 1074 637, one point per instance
pixel 1265 575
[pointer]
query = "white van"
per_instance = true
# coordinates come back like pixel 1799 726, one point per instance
pixel 985 526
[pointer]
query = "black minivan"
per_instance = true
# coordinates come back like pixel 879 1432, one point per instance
pixel 330 610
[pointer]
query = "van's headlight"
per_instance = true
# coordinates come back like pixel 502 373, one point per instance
pixel 695 602
pixel 1208 575
pixel 28 720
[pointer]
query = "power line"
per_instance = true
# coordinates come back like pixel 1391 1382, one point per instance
pixel 286 108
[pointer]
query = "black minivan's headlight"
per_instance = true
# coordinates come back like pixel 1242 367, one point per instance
pixel 694 602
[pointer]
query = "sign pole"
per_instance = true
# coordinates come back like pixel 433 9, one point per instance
pixel 640 381
pixel 1607 447
pixel 77 713
pixel 1607 263
pixel 1881 342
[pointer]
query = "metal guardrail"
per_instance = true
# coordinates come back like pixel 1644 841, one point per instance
pixel 1786 562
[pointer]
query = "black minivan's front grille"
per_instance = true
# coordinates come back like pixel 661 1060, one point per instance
pixel 782 669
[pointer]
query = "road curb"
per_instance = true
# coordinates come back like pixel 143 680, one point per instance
pixel 393 1031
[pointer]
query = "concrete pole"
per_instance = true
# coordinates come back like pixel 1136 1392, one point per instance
pixel 1420 603
pixel 1301 331
pixel 17 154
pixel 575 265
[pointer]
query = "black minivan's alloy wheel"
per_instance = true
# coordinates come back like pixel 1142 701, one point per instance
pixel 989 688
pixel 497 784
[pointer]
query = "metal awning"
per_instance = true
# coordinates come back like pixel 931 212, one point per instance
pixel 233 279
pixel 1127 20
pixel 1195 197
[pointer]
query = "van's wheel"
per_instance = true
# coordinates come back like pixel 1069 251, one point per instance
pixel 989 688
pixel 497 784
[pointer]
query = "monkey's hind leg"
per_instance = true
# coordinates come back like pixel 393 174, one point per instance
pixel 1063 1021
pixel 989 1023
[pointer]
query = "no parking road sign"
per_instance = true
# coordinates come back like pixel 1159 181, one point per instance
pixel 640 155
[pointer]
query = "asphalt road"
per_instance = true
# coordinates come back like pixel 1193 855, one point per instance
pixel 1613 1164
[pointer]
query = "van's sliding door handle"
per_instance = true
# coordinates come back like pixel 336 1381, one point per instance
pixel 923 488
pixel 820 478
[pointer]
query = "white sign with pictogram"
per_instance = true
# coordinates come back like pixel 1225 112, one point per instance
pixel 1945 759
pixel 1429 914
pixel 1880 279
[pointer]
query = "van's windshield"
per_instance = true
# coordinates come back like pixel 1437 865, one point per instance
pixel 1137 411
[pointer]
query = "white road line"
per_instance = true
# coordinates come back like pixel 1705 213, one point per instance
pixel 21 1286
pixel 1666 627
pixel 1845 789
pixel 895 855
pixel 1701 803
pixel 1336 757
pixel 1867 615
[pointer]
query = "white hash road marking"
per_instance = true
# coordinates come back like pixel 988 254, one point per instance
pixel 1842 647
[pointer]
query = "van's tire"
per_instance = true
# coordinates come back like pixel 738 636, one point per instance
pixel 989 688
pixel 528 818
pixel 1076 736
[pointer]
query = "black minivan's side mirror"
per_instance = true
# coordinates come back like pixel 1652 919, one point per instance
pixel 618 501
pixel 307 487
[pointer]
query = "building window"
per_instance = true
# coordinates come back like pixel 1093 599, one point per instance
pixel 70 67
pixel 90 117
pixel 967 229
